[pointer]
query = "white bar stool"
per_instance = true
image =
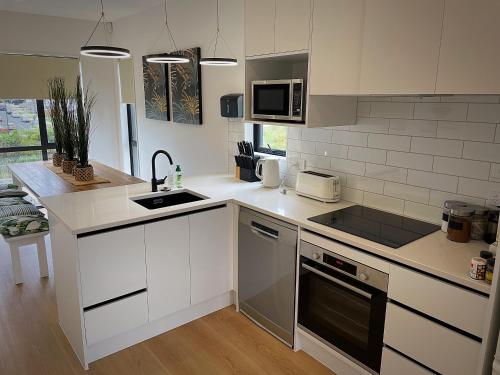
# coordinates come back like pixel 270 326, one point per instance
pixel 30 239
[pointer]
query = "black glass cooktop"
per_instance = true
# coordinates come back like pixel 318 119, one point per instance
pixel 375 225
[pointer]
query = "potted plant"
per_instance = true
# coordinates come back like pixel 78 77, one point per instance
pixel 55 85
pixel 69 131
pixel 84 104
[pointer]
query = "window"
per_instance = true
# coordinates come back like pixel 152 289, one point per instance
pixel 270 139
pixel 26 132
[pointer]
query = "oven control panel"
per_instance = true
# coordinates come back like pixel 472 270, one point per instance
pixel 352 268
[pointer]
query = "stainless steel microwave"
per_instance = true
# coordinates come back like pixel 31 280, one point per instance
pixel 278 99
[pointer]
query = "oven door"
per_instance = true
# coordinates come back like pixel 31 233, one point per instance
pixel 271 100
pixel 342 312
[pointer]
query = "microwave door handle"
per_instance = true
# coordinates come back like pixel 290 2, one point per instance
pixel 259 231
pixel 337 281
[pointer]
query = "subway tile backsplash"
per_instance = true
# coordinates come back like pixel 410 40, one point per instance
pixel 408 154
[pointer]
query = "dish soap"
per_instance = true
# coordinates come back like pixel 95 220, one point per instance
pixel 178 177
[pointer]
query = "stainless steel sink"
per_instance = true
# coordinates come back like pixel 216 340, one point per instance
pixel 168 199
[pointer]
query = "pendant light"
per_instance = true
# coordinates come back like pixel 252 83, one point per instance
pixel 219 61
pixel 167 58
pixel 107 52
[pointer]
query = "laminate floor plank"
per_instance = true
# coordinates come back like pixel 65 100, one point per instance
pixel 222 343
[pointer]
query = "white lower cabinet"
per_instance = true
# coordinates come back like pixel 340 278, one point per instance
pixel 167 259
pixel 112 264
pixel 116 317
pixel 210 253
pixel 429 343
pixel 463 309
pixel 395 364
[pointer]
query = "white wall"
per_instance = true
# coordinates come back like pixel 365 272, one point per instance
pixel 199 149
pixel 55 36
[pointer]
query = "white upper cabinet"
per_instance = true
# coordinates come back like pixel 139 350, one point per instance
pixel 292 25
pixel 469 61
pixel 210 253
pixel 336 47
pixel 401 40
pixel 375 46
pixel 167 259
pixel 276 26
pixel 259 27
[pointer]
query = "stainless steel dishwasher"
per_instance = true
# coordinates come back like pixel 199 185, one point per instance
pixel 267 253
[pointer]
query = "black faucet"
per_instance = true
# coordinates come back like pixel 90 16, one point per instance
pixel 154 181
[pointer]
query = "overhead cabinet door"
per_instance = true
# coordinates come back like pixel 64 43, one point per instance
pixel 259 27
pixel 469 61
pixel 292 25
pixel 401 41
pixel 336 47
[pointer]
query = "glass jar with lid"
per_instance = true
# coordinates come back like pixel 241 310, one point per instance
pixel 460 224
pixel 447 206
pixel 479 222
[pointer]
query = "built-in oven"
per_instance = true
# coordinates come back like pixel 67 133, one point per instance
pixel 278 99
pixel 342 303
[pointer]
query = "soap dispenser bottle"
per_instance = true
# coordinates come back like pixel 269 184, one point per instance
pixel 178 177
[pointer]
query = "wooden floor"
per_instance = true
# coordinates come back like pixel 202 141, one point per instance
pixel 224 342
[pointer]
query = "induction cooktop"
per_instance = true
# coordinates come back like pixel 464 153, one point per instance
pixel 379 226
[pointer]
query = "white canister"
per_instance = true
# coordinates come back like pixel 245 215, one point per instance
pixel 477 268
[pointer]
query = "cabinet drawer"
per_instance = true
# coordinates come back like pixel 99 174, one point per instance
pixel 429 343
pixel 112 264
pixel 451 304
pixel 114 318
pixel 395 364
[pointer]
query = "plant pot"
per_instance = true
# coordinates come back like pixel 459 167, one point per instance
pixel 57 159
pixel 84 173
pixel 68 166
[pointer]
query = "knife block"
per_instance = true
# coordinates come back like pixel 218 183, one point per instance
pixel 248 174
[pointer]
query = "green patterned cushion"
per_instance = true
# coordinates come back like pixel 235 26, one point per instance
pixel 12 201
pixel 12 193
pixel 19 210
pixel 8 186
pixel 13 226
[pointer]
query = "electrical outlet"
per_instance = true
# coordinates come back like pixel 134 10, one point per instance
pixel 493 198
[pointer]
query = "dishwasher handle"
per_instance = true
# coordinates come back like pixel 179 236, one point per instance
pixel 266 231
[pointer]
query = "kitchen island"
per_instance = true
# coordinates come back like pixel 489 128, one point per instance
pixel 125 273
pixel 39 179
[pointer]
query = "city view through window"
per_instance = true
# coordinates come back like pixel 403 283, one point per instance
pixel 26 132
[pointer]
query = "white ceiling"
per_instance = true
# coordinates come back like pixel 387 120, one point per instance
pixel 82 9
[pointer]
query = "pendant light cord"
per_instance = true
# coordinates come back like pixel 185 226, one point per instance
pixel 218 29
pixel 168 28
pixel 97 25
pixel 218 35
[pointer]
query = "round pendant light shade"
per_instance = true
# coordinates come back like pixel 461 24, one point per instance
pixel 166 58
pixel 106 52
pixel 218 61
pixel 100 51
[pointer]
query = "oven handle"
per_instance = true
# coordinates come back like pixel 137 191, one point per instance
pixel 337 281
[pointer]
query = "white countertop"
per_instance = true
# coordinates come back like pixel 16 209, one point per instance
pixel 105 208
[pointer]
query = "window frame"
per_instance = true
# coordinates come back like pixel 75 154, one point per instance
pixel 258 130
pixel 45 145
